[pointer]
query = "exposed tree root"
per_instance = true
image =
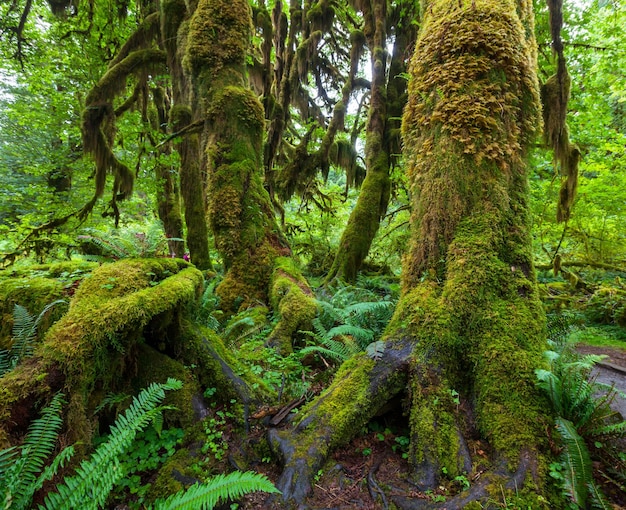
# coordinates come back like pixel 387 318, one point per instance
pixel 360 390
pixel 481 491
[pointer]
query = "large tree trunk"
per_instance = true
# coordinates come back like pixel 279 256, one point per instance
pixel 246 233
pixel 469 318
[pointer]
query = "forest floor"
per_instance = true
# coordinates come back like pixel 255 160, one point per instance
pixel 367 473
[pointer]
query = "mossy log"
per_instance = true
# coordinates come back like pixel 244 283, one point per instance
pixel 469 321
pixel 125 328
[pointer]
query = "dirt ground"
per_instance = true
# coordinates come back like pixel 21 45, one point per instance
pixel 368 472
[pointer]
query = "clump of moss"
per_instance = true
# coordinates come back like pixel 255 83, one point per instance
pixel 219 34
pixel 291 296
pixel 105 321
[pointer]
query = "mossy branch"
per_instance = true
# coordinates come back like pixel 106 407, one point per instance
pixel 99 116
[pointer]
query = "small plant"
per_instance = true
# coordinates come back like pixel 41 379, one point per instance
pixel 24 334
pixel 89 488
pixel 350 322
pixel 151 448
pixel 22 470
pixel 402 445
pixel 585 422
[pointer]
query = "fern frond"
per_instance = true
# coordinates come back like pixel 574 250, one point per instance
pixel 362 336
pixel 243 323
pixel 577 462
pixel 616 430
pixel 221 487
pixel 339 354
pixel 46 309
pixel 24 330
pixel 20 478
pixel 7 458
pixel 50 471
pixel 598 500
pixel 5 362
pixel 95 477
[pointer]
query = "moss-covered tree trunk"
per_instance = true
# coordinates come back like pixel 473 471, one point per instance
pixel 168 189
pixel 387 98
pixel 172 17
pixel 374 196
pixel 469 318
pixel 241 216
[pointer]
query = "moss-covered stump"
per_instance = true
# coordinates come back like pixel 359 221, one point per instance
pixel 93 348
pixel 469 322
pixel 35 287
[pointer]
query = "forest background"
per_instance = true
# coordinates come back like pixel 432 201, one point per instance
pixel 314 70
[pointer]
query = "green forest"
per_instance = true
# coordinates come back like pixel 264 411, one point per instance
pixel 313 254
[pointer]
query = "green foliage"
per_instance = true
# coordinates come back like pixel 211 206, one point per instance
pixel 24 332
pixel 151 448
pixel 22 470
pixel 96 477
pixel 221 487
pixel 585 421
pixel 350 321
pixel 207 312
pixel 147 240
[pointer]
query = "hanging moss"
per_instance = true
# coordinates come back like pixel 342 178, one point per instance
pixel 98 121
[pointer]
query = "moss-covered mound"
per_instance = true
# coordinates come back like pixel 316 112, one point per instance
pixel 94 348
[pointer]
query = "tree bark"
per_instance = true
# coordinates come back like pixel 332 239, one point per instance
pixel 469 318
pixel 241 215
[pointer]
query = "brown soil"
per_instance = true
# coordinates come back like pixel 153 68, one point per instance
pixel 614 356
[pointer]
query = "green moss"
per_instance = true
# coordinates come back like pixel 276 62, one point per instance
pixel 364 221
pixel 153 366
pixel 203 348
pixel 291 296
pixel 433 422
pixel 89 346
pixel 219 35
pixel 33 294
pixel 449 129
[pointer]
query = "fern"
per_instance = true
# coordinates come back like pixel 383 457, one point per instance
pixel 95 477
pixel 23 476
pixel 24 334
pixel 132 241
pixel 221 487
pixel 349 322
pixel 585 420
pixel 576 460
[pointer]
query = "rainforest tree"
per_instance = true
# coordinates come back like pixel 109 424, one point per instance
pixel 469 318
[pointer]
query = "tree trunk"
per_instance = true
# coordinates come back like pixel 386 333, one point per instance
pixel 386 103
pixel 469 318
pixel 242 219
pixel 173 15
